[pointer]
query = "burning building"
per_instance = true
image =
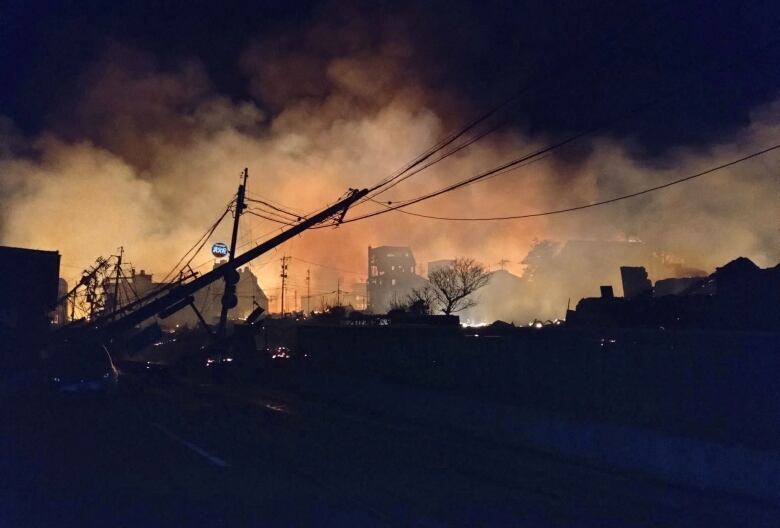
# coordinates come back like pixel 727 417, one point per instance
pixel 391 277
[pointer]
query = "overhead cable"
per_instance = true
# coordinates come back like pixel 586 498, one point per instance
pixel 594 204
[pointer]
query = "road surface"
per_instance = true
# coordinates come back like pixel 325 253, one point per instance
pixel 191 456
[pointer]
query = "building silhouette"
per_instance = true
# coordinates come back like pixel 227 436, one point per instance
pixel 29 282
pixel 391 277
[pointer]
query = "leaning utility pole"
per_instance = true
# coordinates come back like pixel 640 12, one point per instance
pixel 284 279
pixel 229 299
pixel 182 291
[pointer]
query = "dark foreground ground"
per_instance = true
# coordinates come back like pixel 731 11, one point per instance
pixel 203 455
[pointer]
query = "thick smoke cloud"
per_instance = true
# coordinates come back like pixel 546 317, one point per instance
pixel 149 153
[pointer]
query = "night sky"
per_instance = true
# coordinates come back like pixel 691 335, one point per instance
pixel 601 56
pixel 129 123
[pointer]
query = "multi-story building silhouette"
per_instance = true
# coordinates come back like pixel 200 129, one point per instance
pixel 391 277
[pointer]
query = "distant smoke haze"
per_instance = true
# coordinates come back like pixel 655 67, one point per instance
pixel 148 155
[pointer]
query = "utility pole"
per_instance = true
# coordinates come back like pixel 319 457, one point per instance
pixel 284 278
pixel 502 263
pixel 118 275
pixel 169 298
pixel 229 299
pixel 338 291
pixel 308 291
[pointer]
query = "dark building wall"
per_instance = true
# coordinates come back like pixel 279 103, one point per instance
pixel 29 281
pixel 635 281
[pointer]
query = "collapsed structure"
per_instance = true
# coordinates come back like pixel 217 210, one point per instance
pixel 737 296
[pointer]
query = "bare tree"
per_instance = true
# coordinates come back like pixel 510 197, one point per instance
pixel 423 299
pixel 452 286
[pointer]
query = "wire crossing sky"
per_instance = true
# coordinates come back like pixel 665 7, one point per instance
pixel 502 110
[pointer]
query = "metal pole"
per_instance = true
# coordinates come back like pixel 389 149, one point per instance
pixel 230 288
pixel 181 291
pixel 118 275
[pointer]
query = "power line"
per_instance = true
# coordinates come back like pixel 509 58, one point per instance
pixel 271 212
pixel 327 267
pixel 442 157
pixel 439 146
pixel 254 212
pixel 537 80
pixel 294 216
pixel 595 204
pixel 538 154
pixel 400 174
pixel 202 241
pixel 261 237
pixel 267 201
pixel 449 188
